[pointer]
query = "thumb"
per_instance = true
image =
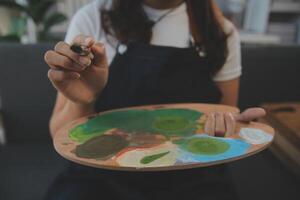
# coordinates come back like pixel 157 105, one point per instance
pixel 250 114
pixel 100 59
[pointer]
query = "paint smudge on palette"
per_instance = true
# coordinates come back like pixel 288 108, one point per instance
pixel 204 148
pixel 106 146
pixel 101 147
pixel 255 136
pixel 161 137
pixel 167 122
pixel 159 156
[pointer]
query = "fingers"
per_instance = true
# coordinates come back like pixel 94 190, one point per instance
pixel 64 49
pixel 220 124
pixel 84 40
pixel 220 128
pixel 210 124
pixel 86 43
pixel 250 114
pixel 100 59
pixel 58 61
pixel 230 124
pixel 57 77
pixel 64 59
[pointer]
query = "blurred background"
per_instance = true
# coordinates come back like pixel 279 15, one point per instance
pixel 270 36
pixel 259 21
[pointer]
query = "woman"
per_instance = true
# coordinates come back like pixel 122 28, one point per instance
pixel 149 52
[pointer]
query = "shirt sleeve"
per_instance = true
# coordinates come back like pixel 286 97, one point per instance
pixel 84 22
pixel 232 68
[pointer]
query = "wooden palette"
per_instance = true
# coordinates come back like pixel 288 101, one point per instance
pixel 157 138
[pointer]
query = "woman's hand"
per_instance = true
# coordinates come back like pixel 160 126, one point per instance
pixel 79 78
pixel 224 124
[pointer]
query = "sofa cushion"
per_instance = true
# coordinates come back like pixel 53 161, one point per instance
pixel 26 93
pixel 28 170
pixel 270 74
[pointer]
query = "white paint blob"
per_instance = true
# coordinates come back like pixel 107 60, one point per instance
pixel 255 136
pixel 133 158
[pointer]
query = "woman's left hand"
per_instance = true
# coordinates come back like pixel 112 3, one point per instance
pixel 224 124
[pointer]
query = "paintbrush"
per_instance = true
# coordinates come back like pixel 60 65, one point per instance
pixel 80 49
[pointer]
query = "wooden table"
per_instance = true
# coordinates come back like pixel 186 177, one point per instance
pixel 285 118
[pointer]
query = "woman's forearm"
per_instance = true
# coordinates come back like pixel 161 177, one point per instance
pixel 230 91
pixel 68 113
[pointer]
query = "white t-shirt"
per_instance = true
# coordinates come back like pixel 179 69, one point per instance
pixel 173 30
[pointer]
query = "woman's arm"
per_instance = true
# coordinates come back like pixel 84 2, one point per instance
pixel 66 111
pixel 82 23
pixel 227 79
pixel 78 79
pixel 230 91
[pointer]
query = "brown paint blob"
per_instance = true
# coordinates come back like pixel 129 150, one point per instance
pixel 146 140
pixel 102 147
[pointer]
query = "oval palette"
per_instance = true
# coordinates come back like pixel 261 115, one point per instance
pixel 157 138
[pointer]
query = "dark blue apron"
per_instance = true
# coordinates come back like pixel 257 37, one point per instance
pixel 148 74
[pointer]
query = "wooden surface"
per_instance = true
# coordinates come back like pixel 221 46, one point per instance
pixel 65 146
pixel 285 118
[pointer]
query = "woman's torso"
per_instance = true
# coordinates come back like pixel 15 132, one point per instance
pixel 153 74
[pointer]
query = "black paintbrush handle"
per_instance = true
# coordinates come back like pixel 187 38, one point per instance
pixel 79 49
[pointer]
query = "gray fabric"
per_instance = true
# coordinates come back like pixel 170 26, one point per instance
pixel 2 131
pixel 26 93
pixel 270 74
pixel 28 170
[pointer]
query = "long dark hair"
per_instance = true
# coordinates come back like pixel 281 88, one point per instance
pixel 127 21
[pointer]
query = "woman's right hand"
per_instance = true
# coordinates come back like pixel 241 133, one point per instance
pixel 79 78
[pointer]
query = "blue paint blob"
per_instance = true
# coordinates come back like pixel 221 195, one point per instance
pixel 236 148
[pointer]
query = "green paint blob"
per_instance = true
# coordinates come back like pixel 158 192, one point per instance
pixel 179 142
pixel 101 147
pixel 128 121
pixel 168 122
pixel 150 159
pixel 175 122
pixel 90 129
pixel 171 123
pixel 206 146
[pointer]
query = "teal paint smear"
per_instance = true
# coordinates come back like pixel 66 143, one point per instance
pixel 235 148
pixel 179 141
pixel 83 133
pixel 152 158
pixel 168 122
pixel 105 122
